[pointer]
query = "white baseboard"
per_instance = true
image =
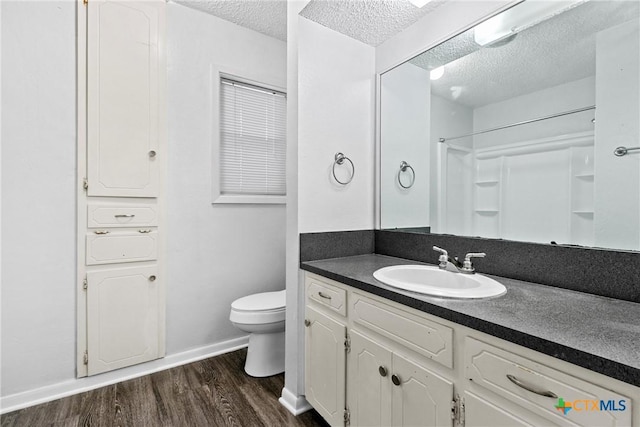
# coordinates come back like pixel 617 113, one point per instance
pixel 33 397
pixel 294 404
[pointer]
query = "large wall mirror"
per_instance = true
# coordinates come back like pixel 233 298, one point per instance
pixel 525 127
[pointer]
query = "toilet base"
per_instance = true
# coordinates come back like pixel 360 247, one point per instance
pixel 265 355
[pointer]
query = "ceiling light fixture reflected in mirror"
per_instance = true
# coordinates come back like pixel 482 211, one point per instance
pixel 516 19
pixel 436 73
pixel 419 3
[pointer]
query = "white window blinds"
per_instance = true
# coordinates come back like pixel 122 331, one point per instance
pixel 252 140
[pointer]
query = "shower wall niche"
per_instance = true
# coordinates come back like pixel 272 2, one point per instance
pixel 521 190
pixel 526 180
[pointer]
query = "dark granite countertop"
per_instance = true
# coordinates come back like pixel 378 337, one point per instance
pixel 598 333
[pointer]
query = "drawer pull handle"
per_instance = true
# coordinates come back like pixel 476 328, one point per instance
pixel 395 379
pixel 532 389
pixel 144 231
pixel 321 295
pixel 124 216
pixel 152 278
pixel 101 232
pixel 383 371
pixel 152 154
pixel 307 322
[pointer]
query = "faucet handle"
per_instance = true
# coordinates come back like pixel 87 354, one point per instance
pixel 470 255
pixel 443 258
pixel 467 267
pixel 444 252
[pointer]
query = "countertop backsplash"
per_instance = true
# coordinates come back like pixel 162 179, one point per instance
pixel 614 274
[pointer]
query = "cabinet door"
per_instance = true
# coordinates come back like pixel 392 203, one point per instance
pixel 369 393
pixel 123 110
pixel 122 317
pixel 325 365
pixel 480 412
pixel 421 398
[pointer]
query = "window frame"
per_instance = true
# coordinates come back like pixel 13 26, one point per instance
pixel 268 82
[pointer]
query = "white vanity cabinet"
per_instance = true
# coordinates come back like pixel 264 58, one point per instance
pixel 404 367
pixel 384 384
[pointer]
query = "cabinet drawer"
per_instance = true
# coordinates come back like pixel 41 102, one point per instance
pixel 327 295
pixel 524 382
pixel 422 335
pixel 121 246
pixel 103 215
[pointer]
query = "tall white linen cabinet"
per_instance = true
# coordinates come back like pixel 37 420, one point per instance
pixel 122 158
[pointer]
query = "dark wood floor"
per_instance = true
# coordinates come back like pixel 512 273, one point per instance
pixel 212 392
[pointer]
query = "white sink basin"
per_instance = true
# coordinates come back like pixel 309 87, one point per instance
pixel 431 280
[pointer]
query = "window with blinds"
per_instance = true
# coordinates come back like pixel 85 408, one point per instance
pixel 252 140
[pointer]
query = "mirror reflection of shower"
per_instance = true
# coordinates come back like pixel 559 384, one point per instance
pixel 506 138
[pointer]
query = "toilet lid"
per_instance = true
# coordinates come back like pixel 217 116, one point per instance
pixel 261 302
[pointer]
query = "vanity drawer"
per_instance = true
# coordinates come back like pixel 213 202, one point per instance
pixel 107 247
pixel 416 332
pixel 327 295
pixel 523 381
pixel 104 215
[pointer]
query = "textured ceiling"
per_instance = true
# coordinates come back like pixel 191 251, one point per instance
pixel 265 16
pixel 554 52
pixel 370 21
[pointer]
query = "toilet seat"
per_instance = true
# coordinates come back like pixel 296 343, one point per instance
pixel 264 301
pixel 262 308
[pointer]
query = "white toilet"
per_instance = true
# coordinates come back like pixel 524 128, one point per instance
pixel 263 316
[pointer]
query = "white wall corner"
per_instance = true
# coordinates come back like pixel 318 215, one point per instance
pixel 294 404
pixel 294 351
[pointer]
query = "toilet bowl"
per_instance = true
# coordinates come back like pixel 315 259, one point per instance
pixel 263 316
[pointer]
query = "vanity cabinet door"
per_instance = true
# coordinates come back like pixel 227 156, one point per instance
pixel 419 397
pixel 325 365
pixel 387 389
pixel 369 393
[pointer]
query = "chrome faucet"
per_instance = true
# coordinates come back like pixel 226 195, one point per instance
pixel 467 266
pixel 445 262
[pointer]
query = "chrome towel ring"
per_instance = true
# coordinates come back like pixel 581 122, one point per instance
pixel 403 168
pixel 339 160
pixel 621 151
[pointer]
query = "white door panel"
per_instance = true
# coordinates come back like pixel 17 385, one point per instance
pixel 122 317
pixel 122 98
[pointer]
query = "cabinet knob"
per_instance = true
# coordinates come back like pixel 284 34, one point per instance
pixel 307 322
pixel 152 154
pixel 395 379
pixel 383 371
pixel 152 278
